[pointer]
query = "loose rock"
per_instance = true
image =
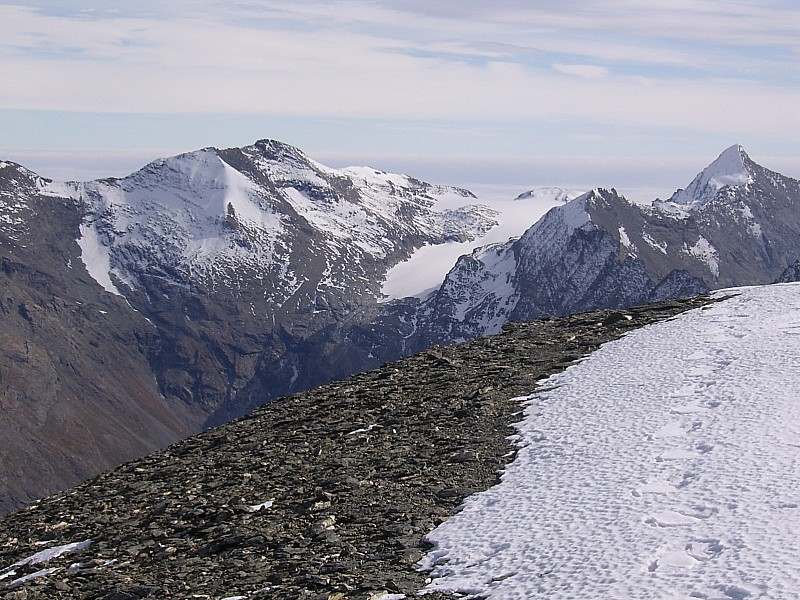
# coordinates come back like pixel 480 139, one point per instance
pixel 351 476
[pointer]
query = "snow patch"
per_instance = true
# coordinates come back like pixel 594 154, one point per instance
pixel 626 242
pixel 363 429
pixel 260 506
pixel 32 576
pixel 753 227
pixel 96 258
pixel 38 558
pixel 705 252
pixel 662 247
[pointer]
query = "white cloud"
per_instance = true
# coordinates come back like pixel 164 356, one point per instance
pixel 727 70
pixel 585 71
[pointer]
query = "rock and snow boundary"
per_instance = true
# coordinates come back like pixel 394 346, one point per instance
pixel 324 494
pixel 674 477
pixel 664 465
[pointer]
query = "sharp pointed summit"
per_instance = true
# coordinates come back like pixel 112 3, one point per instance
pixel 731 168
pixel 203 285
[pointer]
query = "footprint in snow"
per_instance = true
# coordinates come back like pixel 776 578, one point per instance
pixel 692 408
pixel 688 479
pixel 655 487
pixel 677 454
pixel 671 518
pixel 673 561
pixel 693 553
pixel 672 429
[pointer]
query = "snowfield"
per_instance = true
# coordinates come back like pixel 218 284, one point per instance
pixel 425 270
pixel 664 465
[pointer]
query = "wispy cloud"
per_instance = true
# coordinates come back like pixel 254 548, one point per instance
pixel 586 71
pixel 727 70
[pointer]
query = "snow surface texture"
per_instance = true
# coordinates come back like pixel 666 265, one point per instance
pixel 662 466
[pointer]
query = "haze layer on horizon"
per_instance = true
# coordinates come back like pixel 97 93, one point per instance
pixel 575 93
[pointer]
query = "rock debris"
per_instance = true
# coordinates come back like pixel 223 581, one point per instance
pixel 326 494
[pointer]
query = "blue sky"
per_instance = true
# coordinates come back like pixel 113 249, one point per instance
pixel 628 93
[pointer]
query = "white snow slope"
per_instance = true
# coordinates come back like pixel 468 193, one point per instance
pixel 425 270
pixel 200 217
pixel 730 168
pixel 665 465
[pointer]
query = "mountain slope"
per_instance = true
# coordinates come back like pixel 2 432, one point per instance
pixel 736 224
pixel 680 485
pixel 135 309
pixel 241 255
pixel 323 493
pixel 77 394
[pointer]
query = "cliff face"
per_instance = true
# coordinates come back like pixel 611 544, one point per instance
pixel 324 494
pixel 77 394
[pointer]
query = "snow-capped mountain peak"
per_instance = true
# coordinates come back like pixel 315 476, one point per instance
pixel 575 212
pixel 224 218
pixel 731 168
pixel 549 193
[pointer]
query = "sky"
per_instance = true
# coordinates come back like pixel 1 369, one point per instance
pixel 630 94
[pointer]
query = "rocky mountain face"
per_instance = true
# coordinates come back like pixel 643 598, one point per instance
pixel 737 223
pixel 240 257
pixel 77 393
pixel 326 494
pixel 138 310
pixel 792 273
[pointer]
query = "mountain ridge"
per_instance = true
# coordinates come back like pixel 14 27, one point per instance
pixel 120 257
pixel 219 280
pixel 737 225
pixel 321 493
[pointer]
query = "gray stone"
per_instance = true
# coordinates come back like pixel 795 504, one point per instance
pixel 350 510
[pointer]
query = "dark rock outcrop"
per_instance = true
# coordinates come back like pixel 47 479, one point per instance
pixel 790 274
pixel 324 494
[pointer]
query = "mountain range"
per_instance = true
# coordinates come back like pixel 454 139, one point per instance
pixel 735 224
pixel 139 310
